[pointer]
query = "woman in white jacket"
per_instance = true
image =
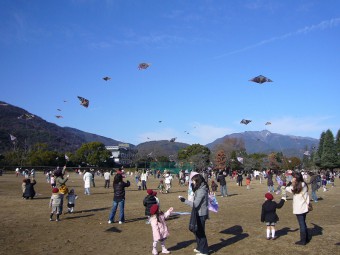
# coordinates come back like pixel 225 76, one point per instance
pixel 87 182
pixel 299 188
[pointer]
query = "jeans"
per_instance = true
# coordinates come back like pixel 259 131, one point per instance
pixel 87 191
pixel 144 185
pixel 201 239
pixel 314 196
pixel 114 209
pixel 303 227
pixel 107 184
pixel 224 190
pixel 270 189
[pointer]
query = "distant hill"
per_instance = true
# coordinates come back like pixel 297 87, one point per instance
pixel 65 139
pixel 267 142
pixel 160 148
pixel 36 130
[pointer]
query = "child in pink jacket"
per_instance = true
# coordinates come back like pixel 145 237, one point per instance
pixel 159 229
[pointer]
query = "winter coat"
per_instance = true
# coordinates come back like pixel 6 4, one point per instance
pixel 300 200
pixel 29 189
pixel 268 213
pixel 221 179
pixel 119 190
pixel 159 228
pixel 87 180
pixel 270 180
pixel 55 200
pixel 314 182
pixel 201 200
pixel 148 201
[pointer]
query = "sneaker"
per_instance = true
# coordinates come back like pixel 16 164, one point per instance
pixel 109 222
pixel 51 219
pixel 120 222
pixel 195 250
pixel 57 220
pixel 268 238
pixel 201 253
pixel 274 237
pixel 165 251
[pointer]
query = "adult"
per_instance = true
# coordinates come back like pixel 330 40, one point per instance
pixel 92 179
pixel 29 189
pixel 223 183
pixel 144 178
pixel 314 185
pixel 270 182
pixel 107 176
pixel 118 198
pixel 299 188
pixel 87 178
pixel 200 203
pixel 60 181
pixel 239 178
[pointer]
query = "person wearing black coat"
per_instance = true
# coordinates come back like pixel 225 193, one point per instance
pixel 118 198
pixel 29 189
pixel 268 214
pixel 223 183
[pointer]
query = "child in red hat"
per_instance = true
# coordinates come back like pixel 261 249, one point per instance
pixel 159 228
pixel 148 201
pixel 268 214
pixel 55 203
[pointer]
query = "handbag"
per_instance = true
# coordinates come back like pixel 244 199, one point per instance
pixel 193 227
pixel 63 189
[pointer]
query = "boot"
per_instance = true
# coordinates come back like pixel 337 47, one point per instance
pixel 154 251
pixel 303 238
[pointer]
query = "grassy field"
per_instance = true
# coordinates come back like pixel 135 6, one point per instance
pixel 235 229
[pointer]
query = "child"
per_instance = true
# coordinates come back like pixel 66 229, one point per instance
pixel 214 187
pixel 23 188
pixel 52 181
pixel 55 203
pixel 149 201
pixel 71 199
pixel 269 215
pixel 248 179
pixel 159 229
pixel 139 184
pixel 161 186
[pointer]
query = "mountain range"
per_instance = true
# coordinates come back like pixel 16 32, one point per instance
pixel 27 131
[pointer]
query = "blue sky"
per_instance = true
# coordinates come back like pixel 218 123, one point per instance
pixel 202 55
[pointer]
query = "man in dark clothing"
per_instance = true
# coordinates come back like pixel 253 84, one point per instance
pixel 221 179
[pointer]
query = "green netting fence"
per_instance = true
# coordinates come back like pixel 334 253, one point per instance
pixel 173 167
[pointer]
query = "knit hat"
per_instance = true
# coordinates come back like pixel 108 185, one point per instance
pixel 55 190
pixel 154 193
pixel 149 191
pixel 153 209
pixel 269 196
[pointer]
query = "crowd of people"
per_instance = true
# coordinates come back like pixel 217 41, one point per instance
pixel 299 184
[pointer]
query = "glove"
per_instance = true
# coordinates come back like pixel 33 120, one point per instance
pixel 182 199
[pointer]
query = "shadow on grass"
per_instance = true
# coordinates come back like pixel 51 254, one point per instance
pixel 93 210
pixel 316 230
pixel 235 230
pixel 113 229
pixel 284 231
pixel 181 245
pixel 78 217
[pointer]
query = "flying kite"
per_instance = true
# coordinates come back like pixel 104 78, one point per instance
pixel 106 78
pixel 59 110
pixel 59 116
pixel 261 79
pixel 159 121
pixel 268 123
pixel 173 139
pixel 245 122
pixel 13 138
pixel 65 101
pixel 143 66
pixel 26 116
pixel 84 102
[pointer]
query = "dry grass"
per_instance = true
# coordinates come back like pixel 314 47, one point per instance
pixel 235 229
